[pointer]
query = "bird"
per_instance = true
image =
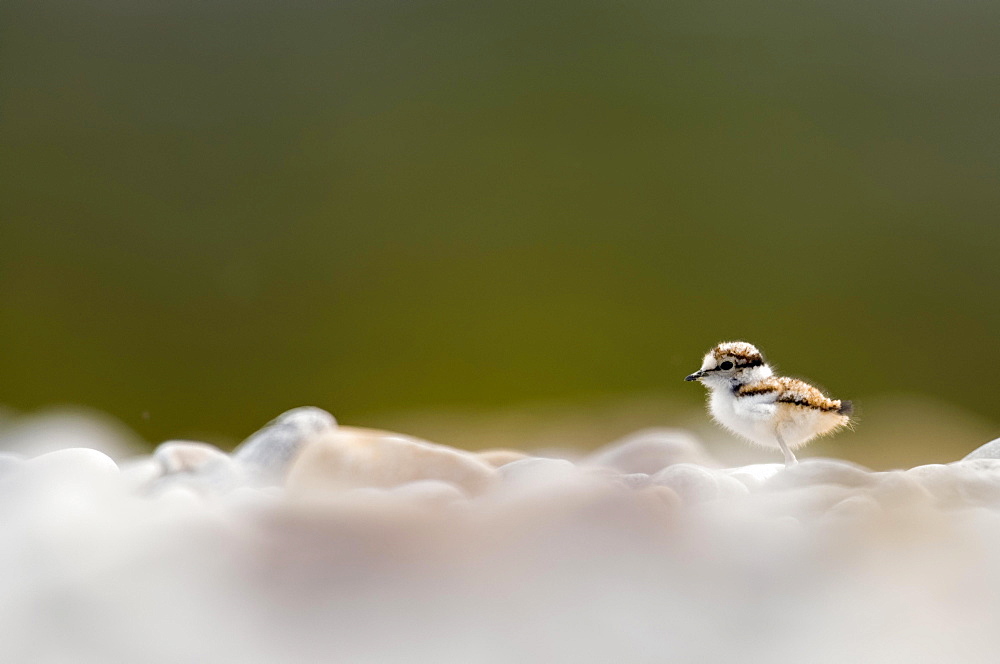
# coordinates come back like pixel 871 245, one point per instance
pixel 746 398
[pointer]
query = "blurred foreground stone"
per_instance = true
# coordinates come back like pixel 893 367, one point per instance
pixel 351 457
pixel 990 450
pixel 318 542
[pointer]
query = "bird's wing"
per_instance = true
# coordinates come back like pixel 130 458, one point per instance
pixel 767 390
pixel 801 393
pixel 757 400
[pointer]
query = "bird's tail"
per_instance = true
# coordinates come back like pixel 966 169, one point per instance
pixel 846 408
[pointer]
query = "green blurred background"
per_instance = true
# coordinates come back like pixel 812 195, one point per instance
pixel 212 211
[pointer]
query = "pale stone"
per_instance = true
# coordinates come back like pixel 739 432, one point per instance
pixel 803 501
pixel 184 456
pixel 979 488
pixel 755 475
pixel 69 429
pixel 537 471
pixel 180 497
pixel 941 481
pixel 70 475
pixel 821 471
pixel 139 472
pixel 432 493
pixel 268 454
pixel 990 450
pixel 75 462
pixel 981 464
pixel 730 488
pixel 349 457
pixel 10 462
pixel 501 457
pixel 664 495
pixel 651 450
pixel 961 484
pixel 253 498
pixel 897 489
pixel 635 480
pixel 855 507
pixel 203 467
pixel 694 484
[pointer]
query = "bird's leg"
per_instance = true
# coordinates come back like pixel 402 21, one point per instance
pixel 790 459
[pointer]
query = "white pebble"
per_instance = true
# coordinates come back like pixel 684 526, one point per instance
pixel 990 450
pixel 694 484
pixel 537 470
pixel 755 475
pixel 432 493
pixel 184 456
pixel 822 471
pixel 651 450
pixel 78 463
pixel 268 454
pixel 349 457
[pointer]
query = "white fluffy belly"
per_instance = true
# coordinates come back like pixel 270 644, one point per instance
pixel 755 427
pixel 759 418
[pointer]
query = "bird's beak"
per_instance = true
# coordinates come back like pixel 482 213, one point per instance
pixel 695 376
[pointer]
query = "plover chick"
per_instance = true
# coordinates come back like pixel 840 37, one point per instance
pixel 771 411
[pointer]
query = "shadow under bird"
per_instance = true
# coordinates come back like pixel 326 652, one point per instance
pixel 772 411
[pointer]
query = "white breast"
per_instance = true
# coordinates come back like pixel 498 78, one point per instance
pixel 751 417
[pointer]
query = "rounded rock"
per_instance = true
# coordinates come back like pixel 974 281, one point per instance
pixel 635 480
pixel 650 451
pixel 433 493
pixel 897 489
pixel 10 463
pixel 75 462
pixel 537 470
pixel 201 466
pixel 501 457
pixel 990 450
pixel 353 457
pixel 183 456
pixel 854 507
pixel 822 471
pixel 754 475
pixel 269 453
pixel 694 484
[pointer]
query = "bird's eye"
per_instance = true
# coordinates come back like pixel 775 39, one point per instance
pixel 726 366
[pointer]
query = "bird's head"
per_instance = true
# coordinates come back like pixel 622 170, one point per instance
pixel 731 363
